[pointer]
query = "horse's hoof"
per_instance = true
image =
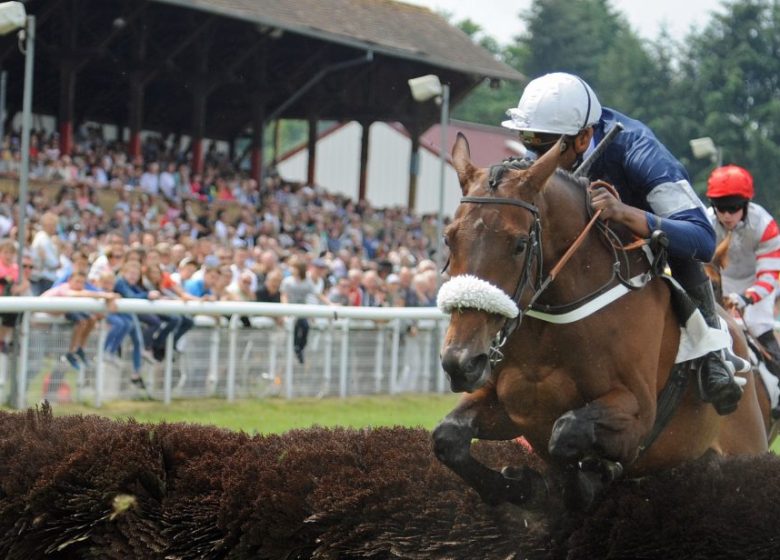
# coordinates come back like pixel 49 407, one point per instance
pixel 609 470
pixel 588 480
pixel 582 490
pixel 525 486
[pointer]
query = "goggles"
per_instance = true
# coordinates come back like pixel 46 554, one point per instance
pixel 731 208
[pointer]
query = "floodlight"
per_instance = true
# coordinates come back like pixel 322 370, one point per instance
pixel 425 87
pixel 12 17
pixel 703 147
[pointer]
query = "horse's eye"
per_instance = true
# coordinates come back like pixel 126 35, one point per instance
pixel 520 245
pixel 446 241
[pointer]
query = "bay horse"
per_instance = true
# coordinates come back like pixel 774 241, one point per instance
pixel 714 270
pixel 584 392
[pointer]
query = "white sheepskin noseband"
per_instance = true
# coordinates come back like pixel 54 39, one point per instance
pixel 469 292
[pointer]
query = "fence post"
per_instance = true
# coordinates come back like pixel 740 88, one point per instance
pixel 343 370
pixel 232 348
pixel 379 356
pixel 168 372
pixel 21 369
pixel 327 373
pixel 288 366
pixel 213 375
pixel 393 385
pixel 100 368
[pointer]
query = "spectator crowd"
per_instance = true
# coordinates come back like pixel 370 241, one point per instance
pixel 103 224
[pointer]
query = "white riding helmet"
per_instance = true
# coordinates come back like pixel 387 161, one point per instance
pixel 556 103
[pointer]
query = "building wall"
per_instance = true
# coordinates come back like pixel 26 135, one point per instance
pixel 338 168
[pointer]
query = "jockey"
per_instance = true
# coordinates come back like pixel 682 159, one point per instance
pixel 750 278
pixel 654 188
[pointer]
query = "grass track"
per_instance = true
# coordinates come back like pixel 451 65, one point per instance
pixel 279 415
pixel 276 415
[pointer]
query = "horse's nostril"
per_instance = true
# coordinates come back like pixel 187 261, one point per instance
pixel 477 364
pixel 463 366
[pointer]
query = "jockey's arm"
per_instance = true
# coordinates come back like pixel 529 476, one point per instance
pixel 767 255
pixel 689 231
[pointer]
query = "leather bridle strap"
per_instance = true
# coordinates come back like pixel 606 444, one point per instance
pixel 511 201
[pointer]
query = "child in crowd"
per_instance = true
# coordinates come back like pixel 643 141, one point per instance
pixel 122 325
pixel 83 323
pixel 9 285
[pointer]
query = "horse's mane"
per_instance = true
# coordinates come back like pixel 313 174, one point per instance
pixel 523 164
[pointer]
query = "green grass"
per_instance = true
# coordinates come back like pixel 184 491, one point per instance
pixel 276 415
pixel 279 415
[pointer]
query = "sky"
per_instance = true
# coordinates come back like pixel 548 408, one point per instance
pixel 499 18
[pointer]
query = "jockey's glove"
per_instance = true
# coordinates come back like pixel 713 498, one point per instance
pixel 740 301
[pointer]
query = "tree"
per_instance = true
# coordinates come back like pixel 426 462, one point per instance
pixel 733 68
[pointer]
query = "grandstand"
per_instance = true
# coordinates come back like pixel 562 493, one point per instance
pixel 140 110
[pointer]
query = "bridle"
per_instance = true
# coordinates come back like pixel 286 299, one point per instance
pixel 533 253
pixel 538 283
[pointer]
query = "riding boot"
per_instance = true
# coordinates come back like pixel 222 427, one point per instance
pixel 718 382
pixel 770 344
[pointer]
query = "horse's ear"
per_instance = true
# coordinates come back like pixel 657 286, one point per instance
pixel 544 167
pixel 461 161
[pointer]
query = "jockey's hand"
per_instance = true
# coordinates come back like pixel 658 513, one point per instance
pixel 739 301
pixel 611 207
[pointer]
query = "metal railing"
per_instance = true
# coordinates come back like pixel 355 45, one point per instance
pixel 350 351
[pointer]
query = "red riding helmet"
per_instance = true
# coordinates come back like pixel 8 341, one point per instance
pixel 730 180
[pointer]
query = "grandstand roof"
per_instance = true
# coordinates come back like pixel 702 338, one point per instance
pixel 387 26
pixel 329 60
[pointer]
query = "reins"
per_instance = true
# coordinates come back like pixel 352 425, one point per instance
pixel 534 253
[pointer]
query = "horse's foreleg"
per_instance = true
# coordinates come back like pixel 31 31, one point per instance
pixel 480 416
pixel 609 427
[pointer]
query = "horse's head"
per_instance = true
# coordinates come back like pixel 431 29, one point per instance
pixel 495 246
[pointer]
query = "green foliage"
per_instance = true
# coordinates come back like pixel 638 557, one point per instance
pixel 733 68
pixel 722 81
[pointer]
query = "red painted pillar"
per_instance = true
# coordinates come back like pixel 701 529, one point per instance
pixel 67 100
pixel 197 155
pixel 66 137
pixel 135 119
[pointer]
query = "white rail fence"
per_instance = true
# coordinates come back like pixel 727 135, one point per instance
pixel 350 351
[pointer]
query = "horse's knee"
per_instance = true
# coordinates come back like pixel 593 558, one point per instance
pixel 451 441
pixel 573 436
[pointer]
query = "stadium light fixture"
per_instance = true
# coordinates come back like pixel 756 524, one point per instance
pixel 423 89
pixel 705 147
pixel 13 17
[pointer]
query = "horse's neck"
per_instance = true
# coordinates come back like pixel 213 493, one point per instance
pixel 591 265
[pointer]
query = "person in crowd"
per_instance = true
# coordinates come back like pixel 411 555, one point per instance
pixel 154 280
pixel 654 189
pixel 318 273
pixel 356 292
pixel 406 289
pixel 373 290
pixel 749 280
pixel 83 323
pixel 184 271
pixel 128 285
pixel 11 284
pixel 339 294
pixel 121 325
pixel 295 289
pixel 204 287
pixel 46 254
pixel 393 295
